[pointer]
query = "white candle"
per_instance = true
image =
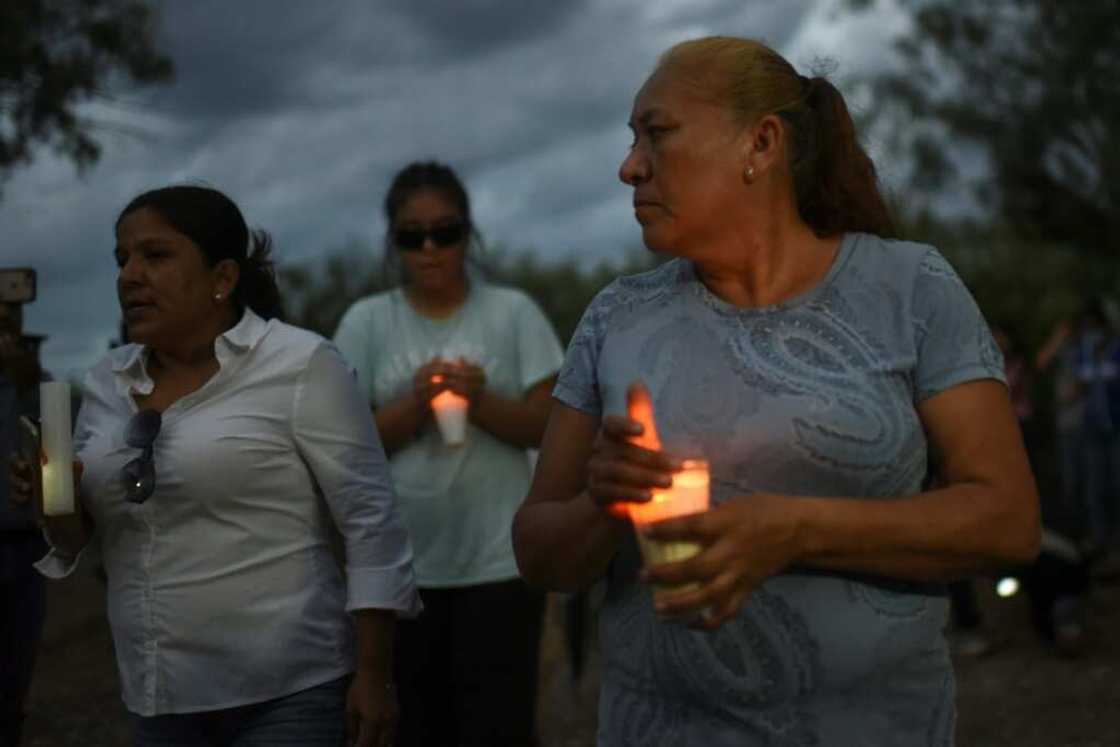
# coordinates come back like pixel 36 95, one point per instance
pixel 58 472
pixel 451 416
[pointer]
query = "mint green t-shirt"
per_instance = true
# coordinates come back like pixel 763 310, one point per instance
pixel 458 501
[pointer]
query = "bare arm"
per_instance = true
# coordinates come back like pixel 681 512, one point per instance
pixel 371 703
pixel 1052 346
pixel 373 632
pixel 985 516
pixel 399 421
pixel 562 539
pixel 519 421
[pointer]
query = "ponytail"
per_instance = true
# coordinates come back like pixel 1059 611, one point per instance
pixel 834 179
pixel 256 287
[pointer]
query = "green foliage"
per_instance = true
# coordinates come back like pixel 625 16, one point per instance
pixel 564 288
pixel 1031 84
pixel 316 297
pixel 317 294
pixel 58 54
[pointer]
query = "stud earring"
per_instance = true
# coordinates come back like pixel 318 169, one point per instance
pixel 217 296
pixel 750 173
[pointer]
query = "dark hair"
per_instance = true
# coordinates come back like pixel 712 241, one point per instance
pixel 213 222
pixel 413 178
pixel 834 180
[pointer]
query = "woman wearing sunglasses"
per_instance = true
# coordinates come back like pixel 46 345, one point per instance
pixel 467 666
pixel 218 449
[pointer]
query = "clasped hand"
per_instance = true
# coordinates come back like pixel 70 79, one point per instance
pixel 459 376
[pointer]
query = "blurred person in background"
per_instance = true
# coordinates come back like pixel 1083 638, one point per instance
pixel 215 451
pixel 22 589
pixel 1097 371
pixel 467 667
pixel 968 636
pixel 1058 579
pixel 813 360
pixel 1058 356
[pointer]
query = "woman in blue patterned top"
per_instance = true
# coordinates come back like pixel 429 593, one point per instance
pixel 814 361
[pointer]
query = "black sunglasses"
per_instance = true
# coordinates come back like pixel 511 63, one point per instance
pixel 139 476
pixel 412 239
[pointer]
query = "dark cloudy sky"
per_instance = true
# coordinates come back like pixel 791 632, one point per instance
pixel 302 111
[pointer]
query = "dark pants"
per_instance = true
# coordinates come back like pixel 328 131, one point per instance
pixel 966 611
pixel 315 717
pixel 1055 586
pixel 466 669
pixel 23 603
pixel 1101 460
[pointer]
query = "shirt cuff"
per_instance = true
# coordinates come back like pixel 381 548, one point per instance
pixel 384 589
pixel 55 564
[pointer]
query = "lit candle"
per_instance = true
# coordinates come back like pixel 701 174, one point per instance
pixel 451 416
pixel 58 472
pixel 689 494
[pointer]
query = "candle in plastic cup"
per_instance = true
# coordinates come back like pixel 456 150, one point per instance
pixel 689 494
pixel 451 416
pixel 58 472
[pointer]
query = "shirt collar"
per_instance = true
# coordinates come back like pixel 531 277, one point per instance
pixel 246 333
pixel 126 357
pixel 128 361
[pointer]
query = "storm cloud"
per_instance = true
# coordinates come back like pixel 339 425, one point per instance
pixel 302 112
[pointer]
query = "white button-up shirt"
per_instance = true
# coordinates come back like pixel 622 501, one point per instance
pixel 222 588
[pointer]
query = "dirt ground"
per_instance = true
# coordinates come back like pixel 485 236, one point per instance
pixel 1021 694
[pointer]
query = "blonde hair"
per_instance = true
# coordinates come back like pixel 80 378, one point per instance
pixel 834 180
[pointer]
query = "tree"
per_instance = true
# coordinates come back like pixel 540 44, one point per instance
pixel 1033 84
pixel 564 288
pixel 57 54
pixel 316 295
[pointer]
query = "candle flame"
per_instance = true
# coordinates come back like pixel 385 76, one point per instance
pixel 639 407
pixel 687 495
pixel 690 478
pixel 448 398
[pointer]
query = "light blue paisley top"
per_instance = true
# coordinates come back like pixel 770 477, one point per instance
pixel 816 396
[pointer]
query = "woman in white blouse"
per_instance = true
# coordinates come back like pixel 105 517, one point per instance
pixel 218 448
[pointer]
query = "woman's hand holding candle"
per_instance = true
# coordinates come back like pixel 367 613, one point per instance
pixel 455 386
pixel 743 542
pixel 625 466
pixel 68 533
pixel 428 381
pixel 466 380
